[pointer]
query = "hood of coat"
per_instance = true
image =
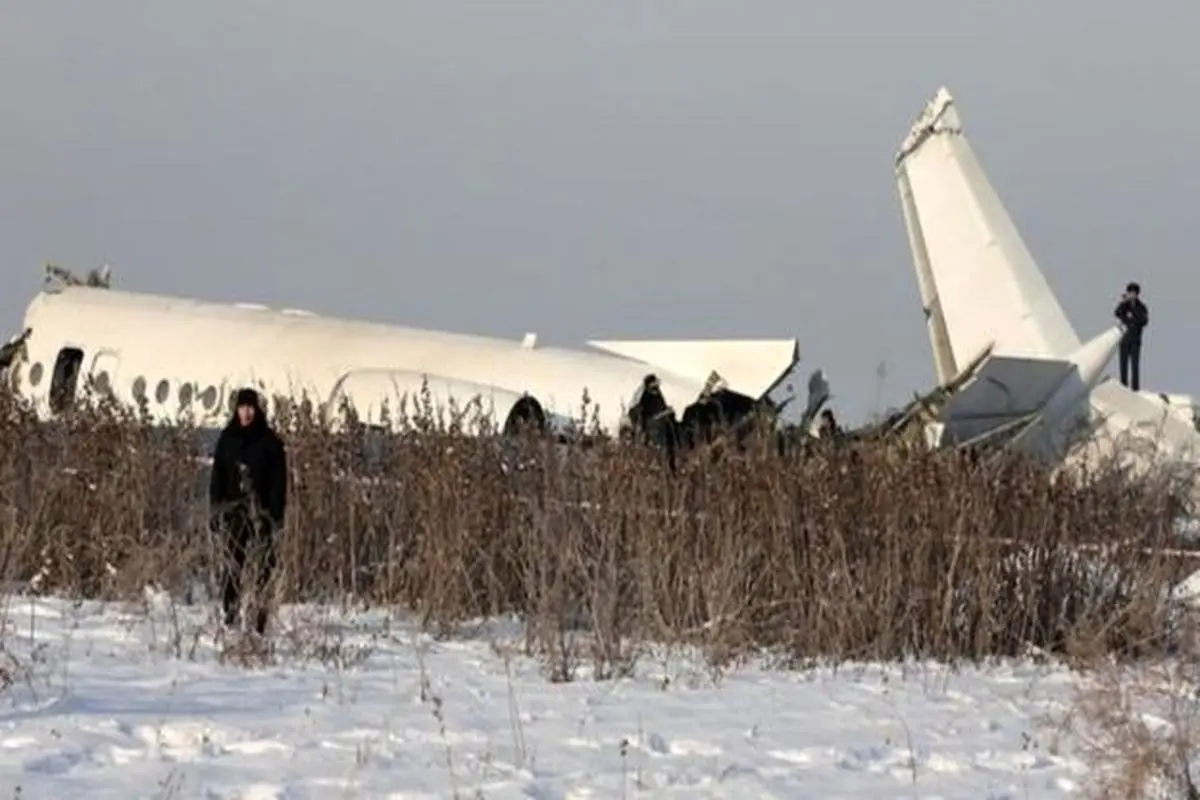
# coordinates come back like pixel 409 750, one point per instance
pixel 248 397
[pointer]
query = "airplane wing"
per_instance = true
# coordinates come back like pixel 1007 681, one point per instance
pixel 1120 412
pixel 748 366
pixel 979 283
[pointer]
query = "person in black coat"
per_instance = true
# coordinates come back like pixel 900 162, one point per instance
pixel 653 420
pixel 1134 317
pixel 827 426
pixel 247 499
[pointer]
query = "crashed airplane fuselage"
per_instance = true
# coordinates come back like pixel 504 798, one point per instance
pixel 1001 342
pixel 176 356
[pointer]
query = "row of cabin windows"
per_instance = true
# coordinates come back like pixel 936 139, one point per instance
pixel 66 378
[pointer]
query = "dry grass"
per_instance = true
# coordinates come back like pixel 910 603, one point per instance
pixel 864 551
pixel 1137 726
pixel 867 551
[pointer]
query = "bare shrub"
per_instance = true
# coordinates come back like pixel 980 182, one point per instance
pixel 1137 727
pixel 863 550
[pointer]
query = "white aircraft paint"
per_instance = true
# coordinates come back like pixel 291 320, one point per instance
pixel 188 356
pixel 984 294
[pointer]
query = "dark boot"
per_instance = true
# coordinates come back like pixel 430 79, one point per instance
pixel 231 599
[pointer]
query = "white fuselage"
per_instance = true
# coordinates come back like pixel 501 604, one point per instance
pixel 181 356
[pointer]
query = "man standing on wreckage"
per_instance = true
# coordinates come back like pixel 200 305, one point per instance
pixel 247 499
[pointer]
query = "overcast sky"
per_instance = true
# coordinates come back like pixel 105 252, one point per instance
pixel 598 169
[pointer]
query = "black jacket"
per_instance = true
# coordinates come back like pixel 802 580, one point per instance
pixel 261 450
pixel 1134 316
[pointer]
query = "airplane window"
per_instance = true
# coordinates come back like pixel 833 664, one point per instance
pixel 65 379
pixel 185 394
pixel 139 389
pixel 209 398
pixel 162 391
pixel 35 374
pixel 102 383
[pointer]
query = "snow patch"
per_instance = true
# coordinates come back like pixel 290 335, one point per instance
pixel 108 712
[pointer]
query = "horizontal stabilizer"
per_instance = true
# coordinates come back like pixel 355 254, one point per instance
pixel 1009 386
pixel 1006 387
pixel 749 366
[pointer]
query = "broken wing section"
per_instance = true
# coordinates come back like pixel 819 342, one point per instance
pixel 1139 429
pixel 1182 405
pixel 751 367
pixel 979 283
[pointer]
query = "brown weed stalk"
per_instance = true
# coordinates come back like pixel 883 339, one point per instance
pixel 871 550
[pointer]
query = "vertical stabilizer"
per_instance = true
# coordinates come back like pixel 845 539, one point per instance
pixel 944 363
pixel 979 283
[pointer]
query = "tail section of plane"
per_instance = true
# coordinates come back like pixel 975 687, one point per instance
pixel 983 292
pixel 980 285
pixel 988 306
pixel 1008 388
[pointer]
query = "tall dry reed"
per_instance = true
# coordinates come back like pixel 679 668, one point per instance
pixel 862 551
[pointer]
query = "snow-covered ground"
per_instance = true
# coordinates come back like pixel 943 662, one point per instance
pixel 103 708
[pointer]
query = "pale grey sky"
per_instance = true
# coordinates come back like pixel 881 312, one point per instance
pixel 598 169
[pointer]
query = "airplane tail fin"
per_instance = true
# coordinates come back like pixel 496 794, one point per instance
pixel 979 283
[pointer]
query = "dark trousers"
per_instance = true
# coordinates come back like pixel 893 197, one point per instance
pixel 660 432
pixel 242 543
pixel 1130 354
